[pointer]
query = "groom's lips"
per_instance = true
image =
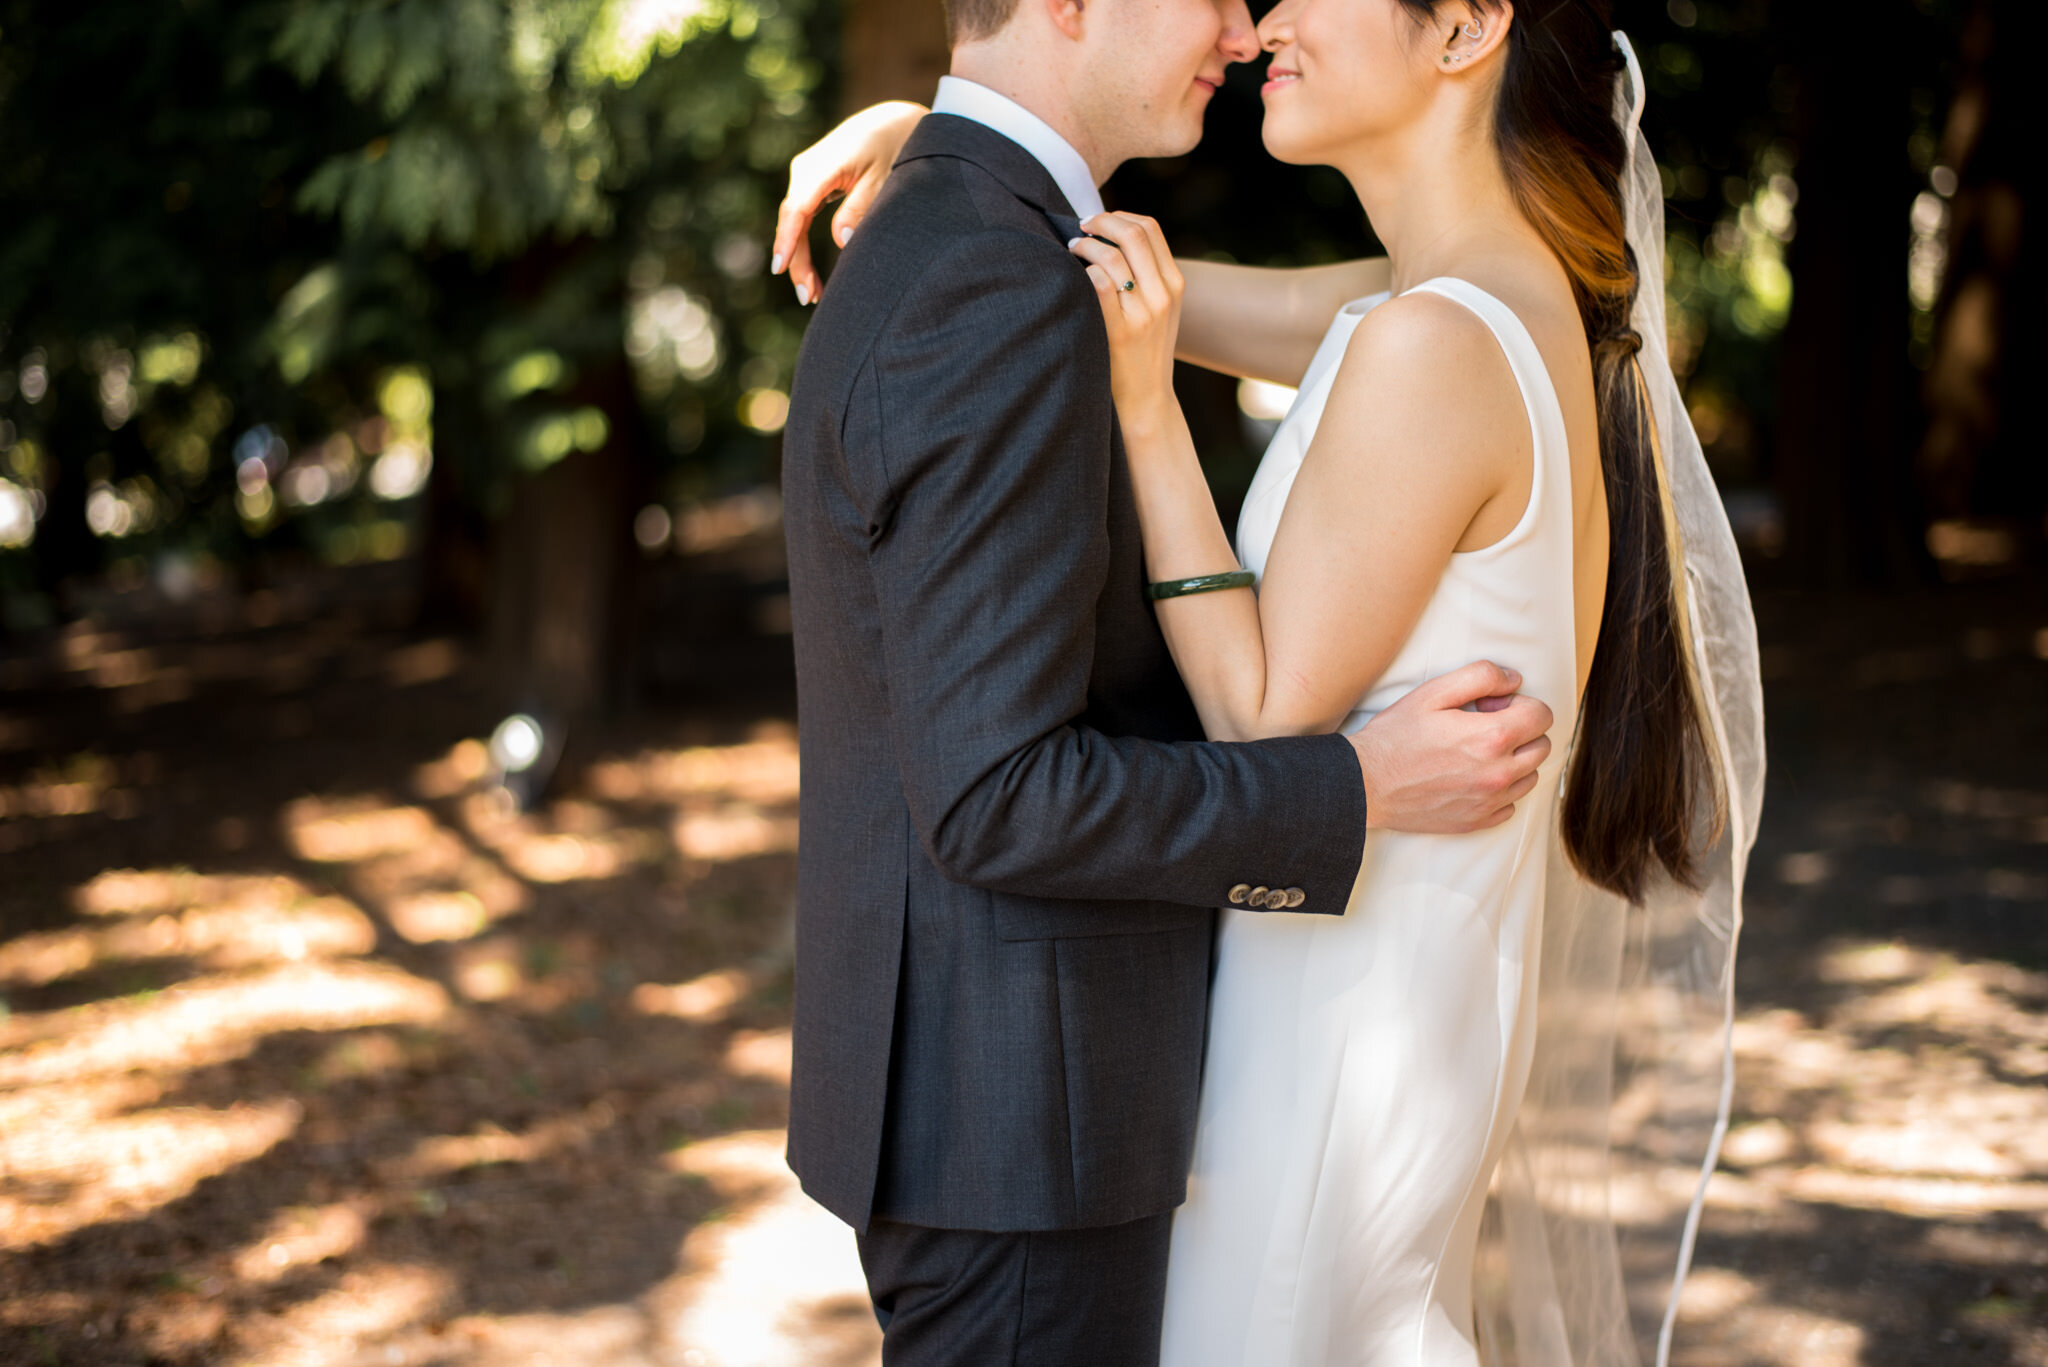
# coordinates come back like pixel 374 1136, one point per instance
pixel 1212 86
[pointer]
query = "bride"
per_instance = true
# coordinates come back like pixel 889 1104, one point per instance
pixel 1487 458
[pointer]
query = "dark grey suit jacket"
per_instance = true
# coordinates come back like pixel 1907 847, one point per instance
pixel 1011 831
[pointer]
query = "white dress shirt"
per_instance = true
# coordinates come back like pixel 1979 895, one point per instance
pixel 971 100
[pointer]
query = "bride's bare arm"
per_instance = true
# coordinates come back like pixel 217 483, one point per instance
pixel 1390 485
pixel 1255 321
pixel 1262 322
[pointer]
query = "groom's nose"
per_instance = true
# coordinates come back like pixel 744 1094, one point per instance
pixel 1240 38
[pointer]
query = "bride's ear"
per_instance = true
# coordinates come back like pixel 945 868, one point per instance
pixel 1470 32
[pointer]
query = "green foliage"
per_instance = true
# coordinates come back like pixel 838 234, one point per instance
pixel 550 215
pixel 513 201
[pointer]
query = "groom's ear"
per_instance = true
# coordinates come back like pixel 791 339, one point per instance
pixel 1068 16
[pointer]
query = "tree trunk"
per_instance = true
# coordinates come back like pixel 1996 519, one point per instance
pixel 892 50
pixel 455 541
pixel 65 548
pixel 566 570
pixel 1980 457
pixel 1847 429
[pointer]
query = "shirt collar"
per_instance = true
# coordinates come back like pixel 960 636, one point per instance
pixel 967 99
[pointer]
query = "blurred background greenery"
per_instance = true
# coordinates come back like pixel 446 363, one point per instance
pixel 479 288
pixel 373 369
pixel 478 284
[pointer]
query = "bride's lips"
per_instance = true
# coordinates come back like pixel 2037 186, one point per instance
pixel 1278 78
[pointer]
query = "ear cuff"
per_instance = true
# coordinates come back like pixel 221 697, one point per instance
pixel 1469 29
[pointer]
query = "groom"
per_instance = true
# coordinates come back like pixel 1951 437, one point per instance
pixel 1012 832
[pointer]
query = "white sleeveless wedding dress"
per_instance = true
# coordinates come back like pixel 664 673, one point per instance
pixel 1363 1071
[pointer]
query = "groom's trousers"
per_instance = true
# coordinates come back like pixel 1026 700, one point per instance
pixel 1046 1298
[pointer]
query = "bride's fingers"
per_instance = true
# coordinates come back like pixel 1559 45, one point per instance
pixel 852 209
pixel 1115 266
pixel 1169 268
pixel 855 206
pixel 1157 238
pixel 808 192
pixel 813 183
pixel 791 219
pixel 1145 248
pixel 1119 231
pixel 1108 293
pixel 792 249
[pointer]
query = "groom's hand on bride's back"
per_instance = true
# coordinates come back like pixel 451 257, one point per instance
pixel 1433 765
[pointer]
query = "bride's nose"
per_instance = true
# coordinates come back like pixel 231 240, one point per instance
pixel 1276 30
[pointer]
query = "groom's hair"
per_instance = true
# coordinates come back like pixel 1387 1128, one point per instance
pixel 970 20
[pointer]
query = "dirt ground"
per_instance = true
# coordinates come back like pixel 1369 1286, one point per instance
pixel 312 1053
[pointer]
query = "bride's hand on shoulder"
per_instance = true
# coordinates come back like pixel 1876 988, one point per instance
pixel 1140 289
pixel 853 159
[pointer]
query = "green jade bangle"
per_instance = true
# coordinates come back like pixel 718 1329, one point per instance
pixel 1201 583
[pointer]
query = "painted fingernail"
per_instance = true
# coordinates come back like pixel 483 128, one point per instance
pixel 1073 242
pixel 803 293
pixel 777 262
pixel 845 235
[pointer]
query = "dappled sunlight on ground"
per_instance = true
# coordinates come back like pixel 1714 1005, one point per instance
pixel 781 1284
pixel 1917 1134
pixel 209 1020
pixel 1883 1193
pixel 281 921
pixel 314 1051
pixel 117 1166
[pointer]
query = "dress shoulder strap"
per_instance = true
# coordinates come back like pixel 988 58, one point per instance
pixel 1547 432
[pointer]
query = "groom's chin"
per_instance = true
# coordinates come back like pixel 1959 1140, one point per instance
pixel 1175 142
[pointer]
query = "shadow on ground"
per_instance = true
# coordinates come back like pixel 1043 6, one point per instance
pixel 311 1053
pixel 1884 1194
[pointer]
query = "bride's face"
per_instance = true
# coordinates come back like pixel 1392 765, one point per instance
pixel 1344 71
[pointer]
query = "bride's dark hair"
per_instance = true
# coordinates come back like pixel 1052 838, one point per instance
pixel 1639 790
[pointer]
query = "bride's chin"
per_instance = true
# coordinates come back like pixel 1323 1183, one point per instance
pixel 1280 148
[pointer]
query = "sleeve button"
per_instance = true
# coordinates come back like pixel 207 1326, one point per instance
pixel 1239 893
pixel 1295 897
pixel 1257 896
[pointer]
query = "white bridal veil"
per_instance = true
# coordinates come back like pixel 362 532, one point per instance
pixel 1590 1226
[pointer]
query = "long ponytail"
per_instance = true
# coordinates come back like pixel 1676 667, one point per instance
pixel 1637 796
